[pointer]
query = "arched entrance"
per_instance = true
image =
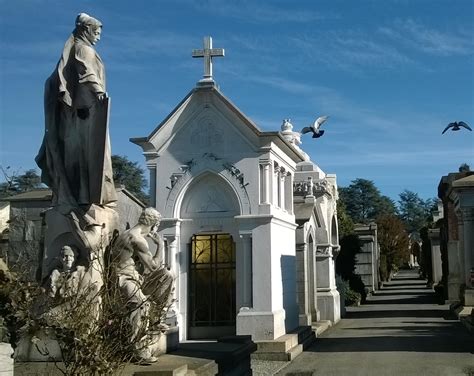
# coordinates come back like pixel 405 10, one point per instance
pixel 211 286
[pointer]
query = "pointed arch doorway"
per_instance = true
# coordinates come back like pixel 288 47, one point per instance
pixel 212 291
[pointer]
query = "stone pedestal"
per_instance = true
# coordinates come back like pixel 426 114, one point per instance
pixel 45 347
pixel 58 232
pixel 469 297
pixel 262 325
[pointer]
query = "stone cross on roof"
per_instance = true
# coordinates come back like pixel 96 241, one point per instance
pixel 208 53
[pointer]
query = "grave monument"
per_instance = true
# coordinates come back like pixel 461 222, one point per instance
pixel 87 268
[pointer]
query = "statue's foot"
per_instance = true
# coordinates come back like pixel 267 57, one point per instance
pixel 163 327
pixel 147 361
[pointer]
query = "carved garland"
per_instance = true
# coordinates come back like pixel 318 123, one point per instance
pixel 179 179
pixel 312 188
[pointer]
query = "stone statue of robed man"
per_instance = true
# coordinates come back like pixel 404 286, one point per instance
pixel 75 157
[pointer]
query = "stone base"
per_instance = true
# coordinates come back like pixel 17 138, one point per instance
pixel 232 354
pixel 261 325
pixel 329 305
pixel 45 349
pixel 166 342
pixel 165 366
pixel 453 291
pixel 321 326
pixel 59 233
pixel 469 297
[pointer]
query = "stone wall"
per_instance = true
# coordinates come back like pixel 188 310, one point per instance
pixel 367 261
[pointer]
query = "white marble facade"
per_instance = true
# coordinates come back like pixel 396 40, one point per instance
pixel 222 183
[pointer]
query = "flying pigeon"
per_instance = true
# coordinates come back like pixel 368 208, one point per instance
pixel 315 127
pixel 456 126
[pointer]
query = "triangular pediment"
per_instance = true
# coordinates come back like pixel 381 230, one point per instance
pixel 206 121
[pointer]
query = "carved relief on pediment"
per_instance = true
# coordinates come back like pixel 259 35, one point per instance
pixel 206 135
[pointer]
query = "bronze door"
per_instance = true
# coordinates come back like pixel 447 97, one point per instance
pixel 212 286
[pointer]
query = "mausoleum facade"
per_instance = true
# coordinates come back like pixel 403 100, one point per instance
pixel 249 255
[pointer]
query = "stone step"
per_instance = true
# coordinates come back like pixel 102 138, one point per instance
pixel 280 356
pixel 306 336
pixel 286 347
pixel 165 371
pixel 279 345
pixel 321 326
pixel 173 365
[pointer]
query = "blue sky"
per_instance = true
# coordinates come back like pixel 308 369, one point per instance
pixel 390 74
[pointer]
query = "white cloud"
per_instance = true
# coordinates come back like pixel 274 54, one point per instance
pixel 419 37
pixel 350 50
pixel 255 12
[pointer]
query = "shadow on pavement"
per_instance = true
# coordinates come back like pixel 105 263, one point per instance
pixel 397 313
pixel 403 286
pixel 416 330
pixel 394 343
pixel 409 300
pixel 388 293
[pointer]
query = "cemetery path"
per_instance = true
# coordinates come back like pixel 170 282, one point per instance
pixel 399 331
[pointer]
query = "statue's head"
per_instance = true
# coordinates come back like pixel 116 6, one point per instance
pixel 150 217
pixel 67 257
pixel 88 27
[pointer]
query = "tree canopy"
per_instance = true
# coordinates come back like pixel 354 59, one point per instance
pixel 15 184
pixel 394 243
pixel 414 211
pixel 130 175
pixel 364 202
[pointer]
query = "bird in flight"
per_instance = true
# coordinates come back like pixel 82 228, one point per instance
pixel 456 126
pixel 315 127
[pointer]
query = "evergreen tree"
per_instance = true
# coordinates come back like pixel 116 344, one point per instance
pixel 414 211
pixel 130 175
pixel 364 202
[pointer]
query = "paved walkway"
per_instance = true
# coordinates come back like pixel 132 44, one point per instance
pixel 400 331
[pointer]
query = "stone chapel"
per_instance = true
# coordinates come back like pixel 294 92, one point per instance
pixel 249 220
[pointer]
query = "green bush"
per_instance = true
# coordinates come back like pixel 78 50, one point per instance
pixel 352 298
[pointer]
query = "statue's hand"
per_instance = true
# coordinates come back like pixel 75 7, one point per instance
pixel 101 96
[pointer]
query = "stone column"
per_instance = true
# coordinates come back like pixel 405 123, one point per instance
pixel 327 294
pixel 289 193
pixel 281 188
pixel 151 158
pixel 276 199
pixel 302 284
pixel 313 283
pixel 244 272
pixel 265 181
pixel 171 260
pixel 437 271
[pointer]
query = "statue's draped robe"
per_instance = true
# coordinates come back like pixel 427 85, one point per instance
pixel 75 157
